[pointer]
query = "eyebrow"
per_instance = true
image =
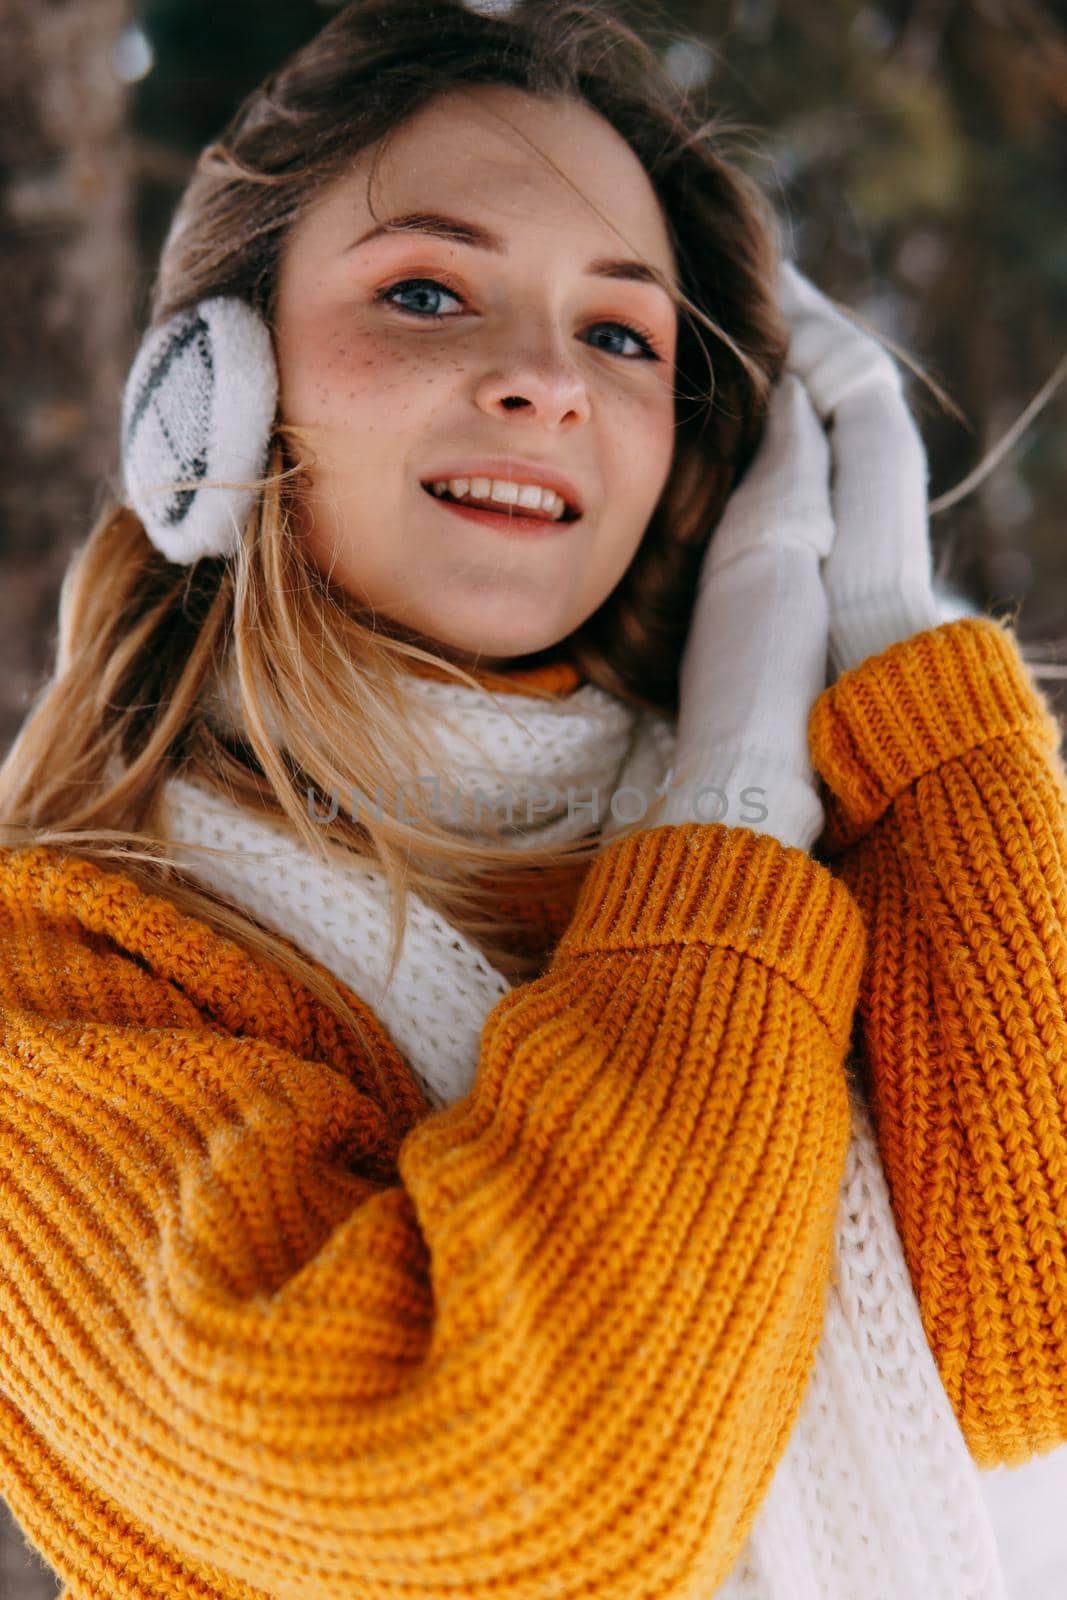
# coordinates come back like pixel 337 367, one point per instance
pixel 438 226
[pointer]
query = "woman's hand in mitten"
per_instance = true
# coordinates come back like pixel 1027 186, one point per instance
pixel 878 575
pixel 755 658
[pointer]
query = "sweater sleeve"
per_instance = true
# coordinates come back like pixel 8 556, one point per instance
pixel 947 818
pixel 265 1331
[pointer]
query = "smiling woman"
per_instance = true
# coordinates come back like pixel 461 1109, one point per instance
pixel 498 255
pixel 554 1253
pixel 496 347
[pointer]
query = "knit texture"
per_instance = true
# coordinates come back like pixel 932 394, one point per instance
pixel 955 803
pixel 876 1492
pixel 331 1344
pixel 549 1340
pixel 567 755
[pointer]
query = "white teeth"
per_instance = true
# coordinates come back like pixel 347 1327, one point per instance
pixel 530 496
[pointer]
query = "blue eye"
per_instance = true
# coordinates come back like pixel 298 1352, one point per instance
pixel 429 288
pixel 420 286
pixel 627 332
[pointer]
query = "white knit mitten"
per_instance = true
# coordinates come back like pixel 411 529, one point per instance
pixel 755 659
pixel 878 575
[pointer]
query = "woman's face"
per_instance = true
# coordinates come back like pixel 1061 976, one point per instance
pixel 505 350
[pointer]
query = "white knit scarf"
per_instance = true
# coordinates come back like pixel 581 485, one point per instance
pixel 876 1495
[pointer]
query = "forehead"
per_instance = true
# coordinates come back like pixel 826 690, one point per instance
pixel 518 159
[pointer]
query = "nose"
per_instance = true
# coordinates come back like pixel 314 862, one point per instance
pixel 538 379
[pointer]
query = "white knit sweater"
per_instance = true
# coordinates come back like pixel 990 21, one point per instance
pixel 876 1495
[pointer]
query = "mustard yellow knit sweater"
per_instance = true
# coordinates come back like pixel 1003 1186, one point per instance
pixel 268 1331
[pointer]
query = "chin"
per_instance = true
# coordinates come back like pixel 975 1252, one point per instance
pixel 507 645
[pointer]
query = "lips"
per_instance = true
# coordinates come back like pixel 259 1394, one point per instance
pixel 506 520
pixel 503 508
pixel 512 470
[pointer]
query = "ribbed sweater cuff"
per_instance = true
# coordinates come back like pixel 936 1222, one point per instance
pixel 696 883
pixel 923 701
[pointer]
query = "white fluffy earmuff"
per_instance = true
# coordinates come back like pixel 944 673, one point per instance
pixel 197 414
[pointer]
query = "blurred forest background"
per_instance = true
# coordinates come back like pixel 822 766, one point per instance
pixel 917 149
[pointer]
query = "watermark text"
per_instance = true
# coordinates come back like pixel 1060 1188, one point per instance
pixel 535 803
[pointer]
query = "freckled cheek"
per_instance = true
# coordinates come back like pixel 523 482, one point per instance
pixel 643 441
pixel 320 368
